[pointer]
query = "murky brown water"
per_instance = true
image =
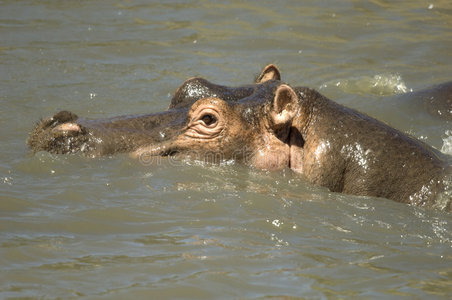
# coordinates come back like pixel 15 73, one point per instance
pixel 112 228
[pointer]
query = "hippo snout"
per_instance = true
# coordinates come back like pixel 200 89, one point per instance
pixel 59 134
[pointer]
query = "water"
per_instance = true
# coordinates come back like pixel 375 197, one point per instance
pixel 71 226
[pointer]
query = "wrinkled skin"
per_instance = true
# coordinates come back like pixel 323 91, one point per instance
pixel 267 125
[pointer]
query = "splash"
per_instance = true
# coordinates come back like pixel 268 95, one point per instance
pixel 380 84
pixel 447 143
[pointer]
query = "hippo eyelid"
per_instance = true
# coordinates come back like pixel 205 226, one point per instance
pixel 206 123
pixel 207 116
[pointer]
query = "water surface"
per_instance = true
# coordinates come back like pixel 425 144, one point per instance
pixel 71 226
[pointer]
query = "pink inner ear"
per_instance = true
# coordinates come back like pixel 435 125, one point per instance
pixel 68 127
pixel 284 105
pixel 283 101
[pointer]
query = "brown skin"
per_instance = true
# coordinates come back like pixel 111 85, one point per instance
pixel 436 100
pixel 268 125
pixel 350 152
pixel 66 133
pixel 261 126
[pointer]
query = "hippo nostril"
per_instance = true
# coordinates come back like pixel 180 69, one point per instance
pixel 59 118
pixel 64 117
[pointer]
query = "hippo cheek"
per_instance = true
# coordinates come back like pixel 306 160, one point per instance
pixel 274 146
pixel 274 155
pixel 181 148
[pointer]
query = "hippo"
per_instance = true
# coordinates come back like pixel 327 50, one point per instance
pixel 267 125
pixel 436 100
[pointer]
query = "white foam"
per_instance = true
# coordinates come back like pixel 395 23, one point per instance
pixel 447 143
pixel 380 84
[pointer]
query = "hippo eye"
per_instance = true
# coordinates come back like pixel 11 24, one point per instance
pixel 206 123
pixel 208 119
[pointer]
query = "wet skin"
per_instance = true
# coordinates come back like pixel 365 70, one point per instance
pixel 435 100
pixel 267 125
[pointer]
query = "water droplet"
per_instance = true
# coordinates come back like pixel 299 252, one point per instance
pixel 277 223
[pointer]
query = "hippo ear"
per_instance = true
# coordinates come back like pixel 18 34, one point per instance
pixel 270 72
pixel 284 106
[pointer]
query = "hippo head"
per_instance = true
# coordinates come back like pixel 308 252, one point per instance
pixel 204 122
